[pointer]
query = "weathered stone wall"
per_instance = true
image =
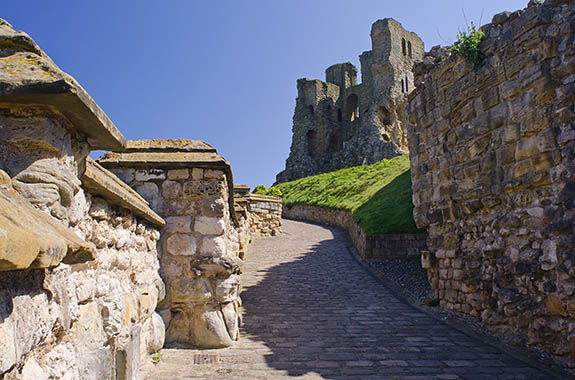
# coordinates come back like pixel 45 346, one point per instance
pixel 89 315
pixel 338 123
pixel 264 215
pixel 492 161
pixel 189 185
pixel 368 246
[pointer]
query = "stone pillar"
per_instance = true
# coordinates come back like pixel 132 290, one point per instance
pixel 190 186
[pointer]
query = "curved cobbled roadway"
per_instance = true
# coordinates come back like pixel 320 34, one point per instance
pixel 312 312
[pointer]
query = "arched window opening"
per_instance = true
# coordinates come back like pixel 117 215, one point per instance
pixel 384 116
pixel 409 48
pixel 406 84
pixel 402 86
pixel 339 116
pixel 333 144
pixel 351 109
pixel 385 137
pixel 310 110
pixel 403 47
pixel 311 143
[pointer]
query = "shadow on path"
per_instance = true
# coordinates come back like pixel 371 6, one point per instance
pixel 320 312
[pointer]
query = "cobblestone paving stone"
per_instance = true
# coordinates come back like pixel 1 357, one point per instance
pixel 311 312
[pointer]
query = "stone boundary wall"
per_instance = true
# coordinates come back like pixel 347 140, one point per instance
pixel 493 167
pixel 368 246
pixel 79 272
pixel 264 214
pixel 190 185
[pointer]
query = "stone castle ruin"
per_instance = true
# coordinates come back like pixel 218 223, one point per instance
pixel 339 123
pixel 99 268
pixel 103 262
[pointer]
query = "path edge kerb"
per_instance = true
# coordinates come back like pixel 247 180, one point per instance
pixel 402 297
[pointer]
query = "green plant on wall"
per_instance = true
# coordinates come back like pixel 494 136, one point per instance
pixel 468 46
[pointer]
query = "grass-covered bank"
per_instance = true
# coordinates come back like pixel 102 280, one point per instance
pixel 379 195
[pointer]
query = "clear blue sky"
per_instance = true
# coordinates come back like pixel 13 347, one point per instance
pixel 223 71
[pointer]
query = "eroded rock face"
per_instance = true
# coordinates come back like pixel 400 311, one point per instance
pixel 492 153
pixel 339 123
pixel 188 184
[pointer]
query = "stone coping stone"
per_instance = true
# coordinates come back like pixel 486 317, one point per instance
pixel 172 154
pixel 29 76
pixel 32 239
pixel 262 198
pixel 106 184
pixel 169 145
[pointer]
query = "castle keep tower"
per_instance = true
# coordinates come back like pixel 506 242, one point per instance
pixel 339 123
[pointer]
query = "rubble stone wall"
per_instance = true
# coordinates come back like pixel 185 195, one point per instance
pixel 264 214
pixel 199 251
pixel 368 246
pixel 93 320
pixel 492 161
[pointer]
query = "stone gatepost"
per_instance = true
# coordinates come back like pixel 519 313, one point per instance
pixel 191 186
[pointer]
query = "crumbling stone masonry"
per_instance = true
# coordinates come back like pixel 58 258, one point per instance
pixel 493 168
pixel 339 123
pixel 79 278
pixel 189 185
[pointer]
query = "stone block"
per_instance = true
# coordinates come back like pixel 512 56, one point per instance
pixel 209 328
pixel 178 174
pixel 128 357
pixel 209 225
pixel 146 175
pixel 190 290
pixel 181 245
pixel 214 246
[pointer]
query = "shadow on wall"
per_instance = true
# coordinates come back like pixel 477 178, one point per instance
pixel 322 313
pixel 395 200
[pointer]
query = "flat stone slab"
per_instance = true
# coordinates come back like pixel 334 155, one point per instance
pixel 29 76
pixel 312 312
pixel 106 184
pixel 31 239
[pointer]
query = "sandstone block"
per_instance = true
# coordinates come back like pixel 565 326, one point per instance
pixel 190 290
pixel 209 225
pixel 209 329
pixel 214 246
pixel 171 189
pixel 181 245
pixel 178 174
pixel 179 224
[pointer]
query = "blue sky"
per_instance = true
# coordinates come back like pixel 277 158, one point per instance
pixel 223 71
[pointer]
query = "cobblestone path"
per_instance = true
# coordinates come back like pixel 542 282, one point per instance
pixel 311 312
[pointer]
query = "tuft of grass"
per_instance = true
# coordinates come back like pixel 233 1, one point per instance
pixel 156 357
pixel 468 46
pixel 379 195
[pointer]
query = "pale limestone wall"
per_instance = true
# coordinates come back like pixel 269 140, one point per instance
pixel 86 321
pixel 200 249
pixel 492 161
pixel 264 214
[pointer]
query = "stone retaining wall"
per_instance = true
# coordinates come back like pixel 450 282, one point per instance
pixel 492 160
pixel 264 214
pixel 368 246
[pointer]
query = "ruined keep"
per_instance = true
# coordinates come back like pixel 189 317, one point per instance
pixel 339 123
pixel 493 168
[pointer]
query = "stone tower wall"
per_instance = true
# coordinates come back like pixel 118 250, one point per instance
pixel 492 161
pixel 354 124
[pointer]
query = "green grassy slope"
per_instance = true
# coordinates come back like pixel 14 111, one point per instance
pixel 379 195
